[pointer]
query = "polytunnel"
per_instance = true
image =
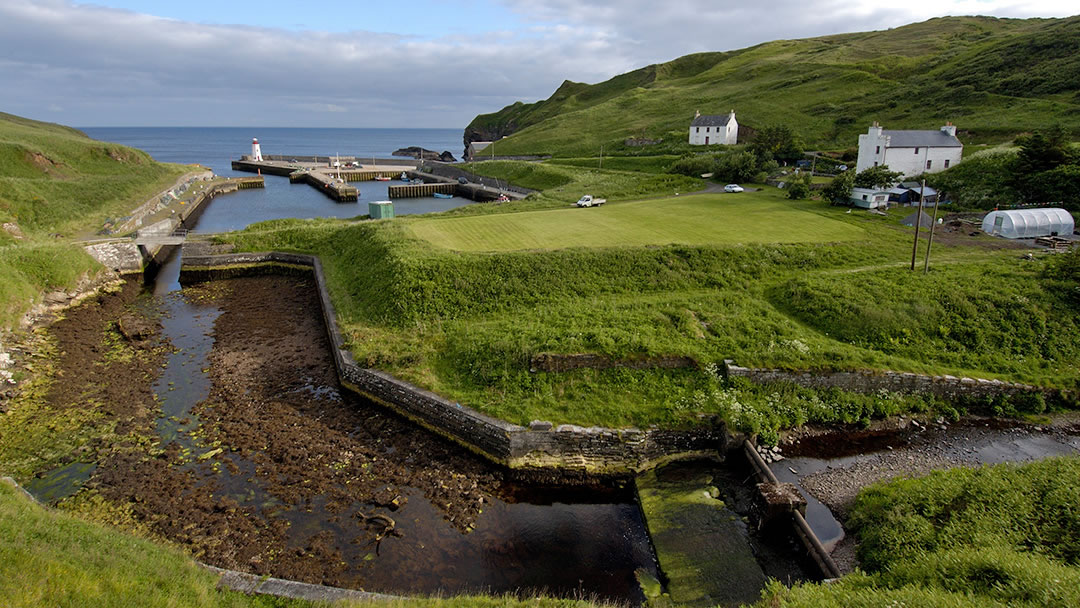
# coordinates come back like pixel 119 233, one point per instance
pixel 1028 223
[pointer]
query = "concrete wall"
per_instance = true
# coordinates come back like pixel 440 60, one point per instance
pixel 541 446
pixel 872 382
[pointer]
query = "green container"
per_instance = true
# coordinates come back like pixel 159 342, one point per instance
pixel 380 210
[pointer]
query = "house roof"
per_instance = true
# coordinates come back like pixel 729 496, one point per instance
pixel 917 186
pixel 921 139
pixel 711 120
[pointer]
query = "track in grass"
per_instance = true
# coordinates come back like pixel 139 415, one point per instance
pixel 702 219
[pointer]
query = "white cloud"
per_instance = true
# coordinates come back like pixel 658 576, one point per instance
pixel 107 66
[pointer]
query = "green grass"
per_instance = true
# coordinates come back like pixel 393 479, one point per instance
pixel 49 558
pixel 467 323
pixel 994 78
pixel 56 183
pixel 704 219
pixel 991 536
pixel 566 183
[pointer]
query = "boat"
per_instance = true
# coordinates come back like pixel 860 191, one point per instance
pixel 382 178
pixel 441 195
pixel 404 177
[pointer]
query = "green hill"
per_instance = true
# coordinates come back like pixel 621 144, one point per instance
pixel 993 77
pixel 56 182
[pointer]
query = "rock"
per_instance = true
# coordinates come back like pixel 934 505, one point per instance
pixel 13 229
pixel 135 329
pixel 540 425
pixel 424 154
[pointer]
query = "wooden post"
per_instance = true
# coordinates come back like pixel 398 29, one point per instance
pixel 918 222
pixel 930 243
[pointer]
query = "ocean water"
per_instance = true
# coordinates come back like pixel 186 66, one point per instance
pixel 217 147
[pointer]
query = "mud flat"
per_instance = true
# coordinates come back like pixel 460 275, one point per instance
pixel 222 429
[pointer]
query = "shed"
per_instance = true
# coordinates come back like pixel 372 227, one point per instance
pixel 379 210
pixel 1028 223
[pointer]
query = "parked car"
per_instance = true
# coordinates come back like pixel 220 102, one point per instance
pixel 733 188
pixel 462 180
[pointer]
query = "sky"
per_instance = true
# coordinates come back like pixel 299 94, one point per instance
pixel 382 64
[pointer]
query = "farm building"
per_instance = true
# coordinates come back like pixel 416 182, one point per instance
pixel 909 152
pixel 714 129
pixel 1028 223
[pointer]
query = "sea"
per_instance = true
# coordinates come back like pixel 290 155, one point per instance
pixel 217 147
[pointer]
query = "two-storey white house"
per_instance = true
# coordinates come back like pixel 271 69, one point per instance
pixel 909 152
pixel 714 129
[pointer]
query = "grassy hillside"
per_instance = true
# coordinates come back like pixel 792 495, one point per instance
pixel 461 303
pixel 1004 535
pixel 993 77
pixel 56 182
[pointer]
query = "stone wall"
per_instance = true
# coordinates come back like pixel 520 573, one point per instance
pixel 554 362
pixel 598 451
pixel 871 382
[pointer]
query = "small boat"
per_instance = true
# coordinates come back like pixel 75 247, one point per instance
pixel 502 199
pixel 382 178
pixel 441 195
pixel 404 177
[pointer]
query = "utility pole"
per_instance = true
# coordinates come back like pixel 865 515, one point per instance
pixel 930 243
pixel 601 156
pixel 918 222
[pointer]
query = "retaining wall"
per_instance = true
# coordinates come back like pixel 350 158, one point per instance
pixel 541 446
pixel 871 382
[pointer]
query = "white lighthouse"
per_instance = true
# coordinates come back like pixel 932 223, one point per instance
pixel 256 152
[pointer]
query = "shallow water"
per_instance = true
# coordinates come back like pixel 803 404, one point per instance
pixel 565 541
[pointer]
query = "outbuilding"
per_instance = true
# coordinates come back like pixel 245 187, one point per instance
pixel 1028 223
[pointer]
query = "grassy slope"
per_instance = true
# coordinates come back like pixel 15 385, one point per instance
pixel 55 182
pixel 704 219
pixel 993 536
pixel 466 324
pixel 992 77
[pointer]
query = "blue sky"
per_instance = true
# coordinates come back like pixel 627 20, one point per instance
pixel 422 19
pixel 382 64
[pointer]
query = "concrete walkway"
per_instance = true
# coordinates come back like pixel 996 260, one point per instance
pixel 701 544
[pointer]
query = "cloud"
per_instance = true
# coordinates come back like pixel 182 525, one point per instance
pixel 109 66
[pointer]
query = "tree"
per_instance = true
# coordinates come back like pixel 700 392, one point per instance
pixel 1043 150
pixel 877 177
pixel 737 167
pixel 777 142
pixel 798 190
pixel 838 192
pixel 1060 185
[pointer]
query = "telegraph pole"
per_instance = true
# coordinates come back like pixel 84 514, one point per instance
pixel 930 243
pixel 918 222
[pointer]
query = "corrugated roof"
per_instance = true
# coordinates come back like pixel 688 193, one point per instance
pixel 711 120
pixel 921 139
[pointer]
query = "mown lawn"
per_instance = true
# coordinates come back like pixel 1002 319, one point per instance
pixel 702 219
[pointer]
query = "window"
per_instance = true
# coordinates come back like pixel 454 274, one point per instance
pixel 878 151
pixel 928 164
pixel 875 163
pixel 697 129
pixel 916 150
pixel 946 163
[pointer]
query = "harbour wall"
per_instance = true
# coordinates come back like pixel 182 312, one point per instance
pixel 540 446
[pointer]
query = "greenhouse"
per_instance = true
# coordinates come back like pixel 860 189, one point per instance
pixel 1028 223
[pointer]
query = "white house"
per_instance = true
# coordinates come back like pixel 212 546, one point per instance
pixel 909 152
pixel 714 129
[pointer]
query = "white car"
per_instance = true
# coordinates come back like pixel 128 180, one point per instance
pixel 733 188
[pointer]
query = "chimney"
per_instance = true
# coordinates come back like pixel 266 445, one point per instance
pixel 697 113
pixel 875 129
pixel 949 129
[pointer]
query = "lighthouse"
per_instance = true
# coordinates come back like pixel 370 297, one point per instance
pixel 256 152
